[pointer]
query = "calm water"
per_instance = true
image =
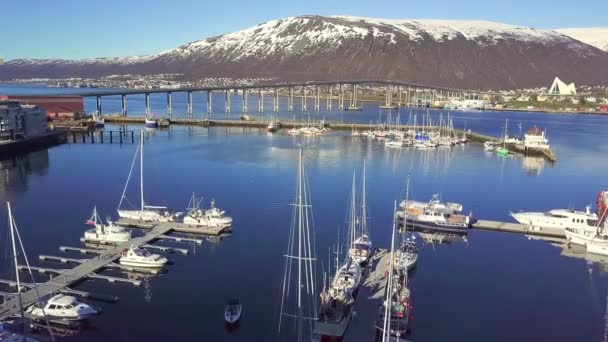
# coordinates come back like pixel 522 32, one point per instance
pixel 493 287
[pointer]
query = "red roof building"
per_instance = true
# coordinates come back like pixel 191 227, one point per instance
pixel 56 106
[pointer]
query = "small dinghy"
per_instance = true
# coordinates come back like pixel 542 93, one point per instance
pixel 232 313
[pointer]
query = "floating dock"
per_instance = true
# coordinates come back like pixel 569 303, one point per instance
pixel 87 269
pixel 177 227
pixel 517 228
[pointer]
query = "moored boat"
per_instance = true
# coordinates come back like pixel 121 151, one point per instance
pixel 273 126
pixel 62 307
pixel 105 233
pixel 140 257
pixel 558 219
pixel 233 311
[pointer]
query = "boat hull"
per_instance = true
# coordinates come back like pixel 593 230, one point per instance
pixel 146 216
pixel 435 227
pixel 142 264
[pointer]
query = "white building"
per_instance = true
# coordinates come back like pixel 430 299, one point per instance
pixel 19 121
pixel 560 88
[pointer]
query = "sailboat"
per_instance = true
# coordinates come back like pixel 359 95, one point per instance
pixel 146 213
pixel 406 256
pixel 361 248
pixel 298 297
pixel 503 151
pixel 394 312
pixel 7 334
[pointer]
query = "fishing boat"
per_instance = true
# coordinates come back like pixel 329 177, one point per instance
pixel 140 257
pixel 105 233
pixel 145 213
pixel 62 307
pixel 212 217
pixel 535 139
pixel 151 121
pixel 361 248
pixel 435 215
pixel 98 120
pixel 558 219
pixel 232 311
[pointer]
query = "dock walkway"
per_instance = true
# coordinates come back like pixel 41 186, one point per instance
pixel 517 228
pixel 76 274
pixel 177 227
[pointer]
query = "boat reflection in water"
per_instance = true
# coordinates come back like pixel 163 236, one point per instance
pixel 533 166
pixel 442 238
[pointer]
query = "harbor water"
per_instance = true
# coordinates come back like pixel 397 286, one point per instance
pixel 487 287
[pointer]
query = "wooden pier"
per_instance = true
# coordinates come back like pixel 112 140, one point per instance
pixel 68 277
pixel 177 227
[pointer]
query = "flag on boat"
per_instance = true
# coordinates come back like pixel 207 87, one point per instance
pixel 90 222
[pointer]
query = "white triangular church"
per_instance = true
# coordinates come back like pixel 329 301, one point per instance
pixel 560 88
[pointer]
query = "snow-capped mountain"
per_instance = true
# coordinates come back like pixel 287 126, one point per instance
pixel 476 54
pixel 594 36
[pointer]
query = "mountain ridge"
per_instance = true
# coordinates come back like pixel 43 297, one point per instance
pixel 456 53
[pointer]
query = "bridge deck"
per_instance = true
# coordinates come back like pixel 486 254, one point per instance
pixel 73 275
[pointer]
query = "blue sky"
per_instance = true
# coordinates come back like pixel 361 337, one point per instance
pixel 81 29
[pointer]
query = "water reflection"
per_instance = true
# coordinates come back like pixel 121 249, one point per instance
pixel 14 172
pixel 533 166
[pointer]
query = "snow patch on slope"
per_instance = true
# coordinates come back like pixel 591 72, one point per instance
pixel 594 36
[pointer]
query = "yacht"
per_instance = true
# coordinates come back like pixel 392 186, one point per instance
pixel 535 139
pixel 558 219
pixel 105 233
pixel 394 143
pixel 434 215
pixel 293 131
pixel 146 213
pixel 62 307
pixel 139 257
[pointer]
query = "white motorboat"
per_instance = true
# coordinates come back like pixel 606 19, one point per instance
pixel 558 219
pixel 273 126
pixel 140 257
pixel 232 312
pixel 293 131
pixel 105 233
pixel 434 215
pixel 394 143
pixel 212 217
pixel 489 145
pixel 62 307
pixel 146 213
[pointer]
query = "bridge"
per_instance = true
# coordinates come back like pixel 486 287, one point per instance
pixel 406 93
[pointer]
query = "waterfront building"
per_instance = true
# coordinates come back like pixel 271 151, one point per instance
pixel 19 121
pixel 56 106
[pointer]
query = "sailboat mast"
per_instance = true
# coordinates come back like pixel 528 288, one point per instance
pixel 389 286
pixel 12 231
pixel 363 204
pixel 353 214
pixel 141 169
pixel 300 241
